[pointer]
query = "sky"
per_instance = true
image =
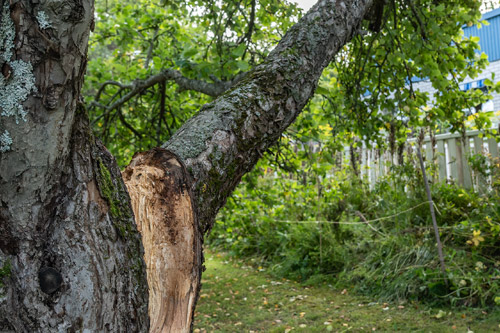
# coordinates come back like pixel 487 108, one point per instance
pixel 305 4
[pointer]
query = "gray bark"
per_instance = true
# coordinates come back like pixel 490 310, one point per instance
pixel 225 140
pixel 216 148
pixel 70 255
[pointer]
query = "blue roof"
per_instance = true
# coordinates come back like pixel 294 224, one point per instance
pixel 493 13
pixel 489 35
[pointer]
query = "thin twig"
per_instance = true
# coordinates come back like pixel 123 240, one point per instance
pixel 433 216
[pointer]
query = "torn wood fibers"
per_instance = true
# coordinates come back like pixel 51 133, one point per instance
pixel 159 188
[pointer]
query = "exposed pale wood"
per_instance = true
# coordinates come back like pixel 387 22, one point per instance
pixel 228 136
pixel 162 202
pixel 96 247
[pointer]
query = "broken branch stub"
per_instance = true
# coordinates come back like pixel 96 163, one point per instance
pixel 159 188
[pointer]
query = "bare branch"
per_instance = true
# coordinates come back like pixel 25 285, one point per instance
pixel 151 47
pixel 419 19
pixel 113 83
pixel 138 86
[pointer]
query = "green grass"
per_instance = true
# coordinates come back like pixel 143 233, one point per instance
pixel 240 298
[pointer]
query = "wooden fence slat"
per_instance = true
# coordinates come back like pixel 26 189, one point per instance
pixel 373 166
pixel 478 145
pixel 429 160
pixel 441 159
pixel 452 161
pixel 449 159
pixel 460 162
pixel 428 153
pixel 381 164
pixel 463 149
pixel 362 167
pixel 493 147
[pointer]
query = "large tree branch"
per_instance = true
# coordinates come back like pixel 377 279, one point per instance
pixel 225 140
pixel 138 86
pixel 177 191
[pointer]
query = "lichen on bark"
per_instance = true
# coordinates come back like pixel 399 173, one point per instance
pixel 43 20
pixel 16 80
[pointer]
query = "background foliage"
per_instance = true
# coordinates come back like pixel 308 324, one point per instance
pixel 367 95
pixel 274 217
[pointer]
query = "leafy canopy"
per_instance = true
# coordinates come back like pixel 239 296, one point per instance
pixel 368 93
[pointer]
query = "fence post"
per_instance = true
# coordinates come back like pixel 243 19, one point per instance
pixel 441 159
pixel 373 176
pixel 493 147
pixel 364 160
pixel 381 163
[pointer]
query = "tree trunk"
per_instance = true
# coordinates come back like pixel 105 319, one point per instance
pixel 70 253
pixel 206 158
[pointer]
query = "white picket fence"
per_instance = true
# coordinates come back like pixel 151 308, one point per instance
pixel 450 156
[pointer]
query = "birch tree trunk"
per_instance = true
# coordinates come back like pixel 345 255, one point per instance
pixel 71 258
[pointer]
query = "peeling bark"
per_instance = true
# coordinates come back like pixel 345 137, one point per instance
pixel 218 146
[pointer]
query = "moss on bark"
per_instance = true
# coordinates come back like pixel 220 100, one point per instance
pixel 5 272
pixel 117 199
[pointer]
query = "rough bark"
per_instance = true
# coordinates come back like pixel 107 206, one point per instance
pixel 68 236
pixel 228 136
pixel 217 147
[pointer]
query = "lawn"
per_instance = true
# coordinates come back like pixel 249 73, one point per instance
pixel 237 297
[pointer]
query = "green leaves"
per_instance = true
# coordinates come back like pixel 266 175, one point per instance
pixel 189 53
pixel 204 40
pixel 243 65
pixel 238 51
pixel 379 72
